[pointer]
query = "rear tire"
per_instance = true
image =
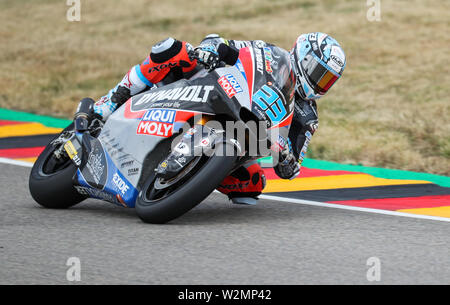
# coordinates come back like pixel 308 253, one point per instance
pixel 188 195
pixel 53 190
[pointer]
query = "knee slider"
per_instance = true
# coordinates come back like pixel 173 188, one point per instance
pixel 165 50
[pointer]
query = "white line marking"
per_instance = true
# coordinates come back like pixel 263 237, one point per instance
pixel 16 162
pixel 346 207
pixel 298 201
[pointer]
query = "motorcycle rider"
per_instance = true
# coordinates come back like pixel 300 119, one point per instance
pixel 317 61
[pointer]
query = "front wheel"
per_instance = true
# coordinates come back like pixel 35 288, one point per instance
pixel 51 179
pixel 160 205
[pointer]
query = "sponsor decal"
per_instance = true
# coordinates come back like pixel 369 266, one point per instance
pixel 204 142
pixel 236 186
pixel 123 157
pixel 239 44
pixel 230 85
pixel 308 136
pixel 77 160
pixel 259 60
pixel 95 193
pixel 268 60
pixel 157 122
pixel 337 60
pixel 95 171
pixel 162 67
pixel 121 185
pixel 259 43
pixel 72 152
pixel 279 145
pixel 182 148
pixel 166 105
pixel 261 114
pixel 95 166
pixel 113 146
pixel 270 102
pixel 291 96
pixel 198 94
pixel 240 67
pixel 113 187
pixel 313 126
pixel 160 115
pixel 236 143
pixel 133 171
pixel 190 132
pixel 127 164
pixel 181 160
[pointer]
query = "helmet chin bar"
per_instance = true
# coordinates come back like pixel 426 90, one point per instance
pixel 299 89
pixel 298 82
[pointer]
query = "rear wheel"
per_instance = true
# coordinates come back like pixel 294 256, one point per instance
pixel 162 200
pixel 50 180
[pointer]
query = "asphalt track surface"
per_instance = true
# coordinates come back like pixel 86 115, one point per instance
pixel 216 243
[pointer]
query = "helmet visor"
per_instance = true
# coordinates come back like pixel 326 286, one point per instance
pixel 318 74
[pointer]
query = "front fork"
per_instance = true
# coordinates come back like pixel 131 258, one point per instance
pixel 71 143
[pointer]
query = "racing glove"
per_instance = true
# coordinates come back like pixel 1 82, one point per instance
pixel 288 166
pixel 121 95
pixel 207 55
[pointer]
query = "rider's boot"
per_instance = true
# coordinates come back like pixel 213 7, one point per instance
pixel 245 184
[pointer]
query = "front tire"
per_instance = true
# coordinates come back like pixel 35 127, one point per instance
pixel 186 196
pixel 53 188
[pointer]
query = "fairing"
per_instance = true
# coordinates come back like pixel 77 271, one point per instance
pixel 261 81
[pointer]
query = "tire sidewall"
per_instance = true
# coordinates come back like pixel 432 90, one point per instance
pixel 55 190
pixel 196 189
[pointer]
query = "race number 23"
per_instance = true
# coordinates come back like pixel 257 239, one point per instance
pixel 269 101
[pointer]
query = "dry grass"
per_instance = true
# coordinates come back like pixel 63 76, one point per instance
pixel 390 109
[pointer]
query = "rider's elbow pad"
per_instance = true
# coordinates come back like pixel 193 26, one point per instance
pixel 228 54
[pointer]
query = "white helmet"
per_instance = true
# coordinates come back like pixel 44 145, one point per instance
pixel 318 62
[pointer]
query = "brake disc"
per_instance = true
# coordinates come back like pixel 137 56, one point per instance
pixel 161 183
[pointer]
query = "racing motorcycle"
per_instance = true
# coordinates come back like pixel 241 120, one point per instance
pixel 158 153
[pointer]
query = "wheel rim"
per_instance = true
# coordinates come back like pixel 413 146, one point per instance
pixel 165 188
pixel 52 165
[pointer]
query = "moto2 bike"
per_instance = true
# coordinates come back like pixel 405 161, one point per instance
pixel 165 150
